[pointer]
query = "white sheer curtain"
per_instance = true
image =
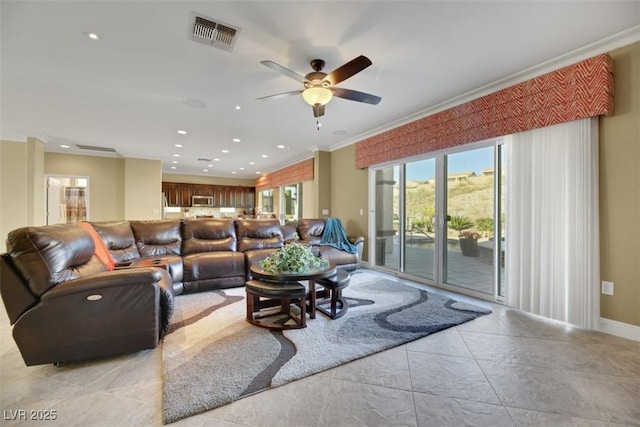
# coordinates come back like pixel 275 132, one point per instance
pixel 552 230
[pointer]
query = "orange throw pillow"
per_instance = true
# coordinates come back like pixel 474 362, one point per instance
pixel 101 249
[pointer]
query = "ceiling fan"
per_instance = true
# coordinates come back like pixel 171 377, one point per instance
pixel 319 86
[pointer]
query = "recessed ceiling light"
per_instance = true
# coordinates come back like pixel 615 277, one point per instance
pixel 264 156
pixel 225 151
pixel 175 162
pixel 93 36
pixel 178 145
pixel 64 146
pixel 241 169
pixel 258 172
pixel 209 166
pixel 205 170
pixel 236 140
pixel 238 107
pixel 173 167
pixel 176 155
pixel 252 163
pixel 182 132
pixel 280 146
pixel 216 160
pixel 233 173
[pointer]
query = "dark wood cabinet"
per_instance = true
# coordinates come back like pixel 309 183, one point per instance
pixel 173 193
pixel 218 196
pixel 179 195
pixel 229 197
pixel 201 190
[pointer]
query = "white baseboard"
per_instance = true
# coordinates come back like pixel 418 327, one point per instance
pixel 619 329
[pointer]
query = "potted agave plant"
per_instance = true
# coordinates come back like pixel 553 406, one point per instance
pixel 469 243
pixel 468 239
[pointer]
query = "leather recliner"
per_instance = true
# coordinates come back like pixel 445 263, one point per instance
pixel 65 306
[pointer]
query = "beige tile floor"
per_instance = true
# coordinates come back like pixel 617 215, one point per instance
pixel 505 369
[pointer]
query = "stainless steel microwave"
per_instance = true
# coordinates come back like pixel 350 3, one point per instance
pixel 201 201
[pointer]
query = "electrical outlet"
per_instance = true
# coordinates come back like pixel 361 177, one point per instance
pixel 607 288
pixel 361 211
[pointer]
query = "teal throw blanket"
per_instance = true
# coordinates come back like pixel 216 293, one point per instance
pixel 335 235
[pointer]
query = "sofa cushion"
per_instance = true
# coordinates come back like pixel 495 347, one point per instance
pixel 49 255
pixel 310 230
pixel 290 232
pixel 157 237
pixel 258 234
pixel 119 240
pixel 101 249
pixel 215 267
pixel 208 235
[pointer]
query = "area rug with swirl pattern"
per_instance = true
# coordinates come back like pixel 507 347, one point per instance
pixel 212 356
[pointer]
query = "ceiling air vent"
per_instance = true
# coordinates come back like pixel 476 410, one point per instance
pixel 213 32
pixel 94 148
pixel 202 159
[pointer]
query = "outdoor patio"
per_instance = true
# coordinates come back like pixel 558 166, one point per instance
pixel 474 273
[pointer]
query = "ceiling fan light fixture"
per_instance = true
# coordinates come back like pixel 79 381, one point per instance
pixel 317 95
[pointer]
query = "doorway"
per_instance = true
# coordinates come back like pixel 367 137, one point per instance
pixel 67 199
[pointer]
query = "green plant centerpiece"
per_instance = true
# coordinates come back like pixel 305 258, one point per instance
pixel 293 257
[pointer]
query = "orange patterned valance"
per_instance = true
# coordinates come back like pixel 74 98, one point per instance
pixel 575 92
pixel 302 171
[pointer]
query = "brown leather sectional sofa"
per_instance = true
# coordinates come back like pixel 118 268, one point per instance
pixel 65 305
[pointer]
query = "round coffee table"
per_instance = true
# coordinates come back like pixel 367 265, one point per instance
pixel 287 277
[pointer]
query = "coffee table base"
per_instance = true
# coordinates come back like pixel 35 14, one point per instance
pixel 270 305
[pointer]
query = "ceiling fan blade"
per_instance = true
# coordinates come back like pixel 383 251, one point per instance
pixel 349 69
pixel 284 70
pixel 318 110
pixel 354 95
pixel 280 95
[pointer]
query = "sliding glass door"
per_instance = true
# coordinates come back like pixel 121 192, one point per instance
pixel 439 219
pixel 470 205
pixel 420 230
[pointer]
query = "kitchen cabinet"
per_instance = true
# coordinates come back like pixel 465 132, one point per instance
pixel 179 195
pixel 201 190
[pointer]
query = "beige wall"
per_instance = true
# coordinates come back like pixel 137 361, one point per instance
pixel 16 186
pixel 143 189
pixel 620 192
pixel 322 184
pixel 106 181
pixel 349 193
pixel 35 182
pixel 308 199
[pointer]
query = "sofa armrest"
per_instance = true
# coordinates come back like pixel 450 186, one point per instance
pixel 356 239
pixel 136 277
pixel 359 242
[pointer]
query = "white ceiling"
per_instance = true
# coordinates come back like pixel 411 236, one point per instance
pixel 131 89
